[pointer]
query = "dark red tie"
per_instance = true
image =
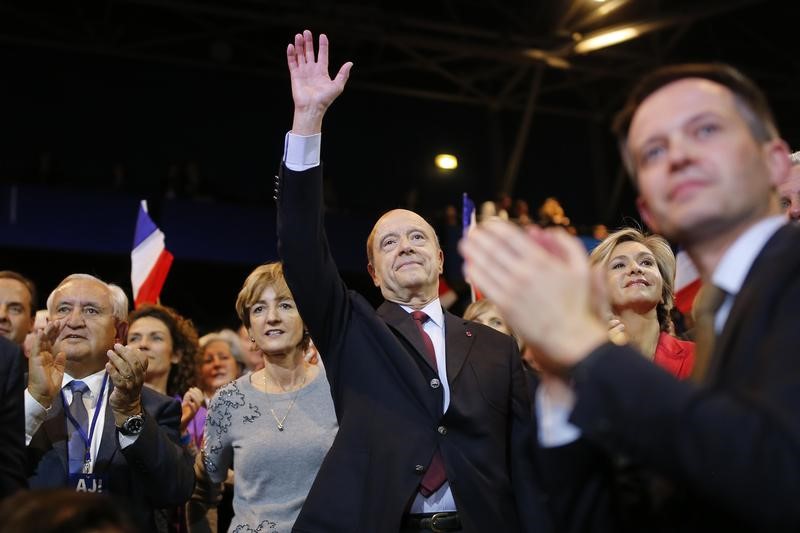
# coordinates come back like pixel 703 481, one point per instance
pixel 435 475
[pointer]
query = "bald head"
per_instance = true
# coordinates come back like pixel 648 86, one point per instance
pixel 405 259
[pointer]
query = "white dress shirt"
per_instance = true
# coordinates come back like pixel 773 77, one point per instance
pixel 36 414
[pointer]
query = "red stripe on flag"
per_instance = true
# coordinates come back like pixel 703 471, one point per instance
pixel 684 298
pixel 151 287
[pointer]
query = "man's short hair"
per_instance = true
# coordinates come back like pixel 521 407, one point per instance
pixel 795 158
pixel 30 285
pixel 749 99
pixel 119 301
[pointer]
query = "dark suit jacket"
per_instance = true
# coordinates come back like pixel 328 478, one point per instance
pixel 725 456
pixel 12 419
pixel 390 419
pixel 151 473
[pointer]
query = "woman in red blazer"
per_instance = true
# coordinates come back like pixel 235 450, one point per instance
pixel 640 272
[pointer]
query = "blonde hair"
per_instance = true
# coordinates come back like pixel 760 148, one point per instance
pixel 665 261
pixel 479 307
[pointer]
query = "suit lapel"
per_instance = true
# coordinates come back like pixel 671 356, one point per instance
pixel 458 341
pixel 108 441
pixel 411 363
pixel 401 322
pixel 779 254
pixel 55 427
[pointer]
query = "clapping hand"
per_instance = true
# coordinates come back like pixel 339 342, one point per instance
pixel 46 370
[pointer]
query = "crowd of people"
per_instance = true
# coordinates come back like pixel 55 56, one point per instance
pixel 566 400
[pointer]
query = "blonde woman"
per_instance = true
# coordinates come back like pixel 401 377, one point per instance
pixel 640 274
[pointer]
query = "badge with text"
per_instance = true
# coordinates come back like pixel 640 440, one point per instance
pixel 88 482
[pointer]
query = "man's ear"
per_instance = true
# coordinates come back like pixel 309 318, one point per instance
pixel 441 261
pixel 373 275
pixel 122 332
pixel 777 156
pixel 646 214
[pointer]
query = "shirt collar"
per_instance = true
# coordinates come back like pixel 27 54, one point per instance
pixel 740 256
pixel 433 310
pixel 93 381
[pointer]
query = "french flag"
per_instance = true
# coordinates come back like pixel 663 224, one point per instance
pixel 469 220
pixel 150 260
pixel 687 282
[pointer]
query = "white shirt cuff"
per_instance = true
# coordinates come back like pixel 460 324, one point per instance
pixel 35 415
pixel 126 440
pixel 301 152
pixel 554 403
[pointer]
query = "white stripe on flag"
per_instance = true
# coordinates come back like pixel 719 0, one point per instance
pixel 143 259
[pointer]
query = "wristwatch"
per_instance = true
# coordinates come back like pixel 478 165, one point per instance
pixel 133 425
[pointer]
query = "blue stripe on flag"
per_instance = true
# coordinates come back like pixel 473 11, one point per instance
pixel 144 225
pixel 466 213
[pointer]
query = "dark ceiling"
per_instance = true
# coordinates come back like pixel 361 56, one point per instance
pixel 150 86
pixel 531 113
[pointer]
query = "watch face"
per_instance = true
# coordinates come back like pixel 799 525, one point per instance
pixel 133 425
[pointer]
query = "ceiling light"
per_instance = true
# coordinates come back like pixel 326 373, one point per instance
pixel 446 161
pixel 552 60
pixel 606 38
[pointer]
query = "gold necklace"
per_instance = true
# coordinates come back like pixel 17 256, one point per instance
pixel 280 421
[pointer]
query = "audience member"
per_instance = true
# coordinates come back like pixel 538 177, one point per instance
pixel 422 396
pixel 639 272
pixel 723 450
pixel 789 190
pixel 17 306
pixel 552 214
pixel 219 361
pixel 79 372
pixel 275 424
pixel 253 359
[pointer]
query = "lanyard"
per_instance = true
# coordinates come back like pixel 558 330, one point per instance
pixel 87 439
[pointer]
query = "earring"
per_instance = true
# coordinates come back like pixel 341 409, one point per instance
pixel 252 339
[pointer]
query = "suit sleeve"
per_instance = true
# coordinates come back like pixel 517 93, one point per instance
pixel 738 448
pixel 157 457
pixel 12 421
pixel 529 497
pixel 310 271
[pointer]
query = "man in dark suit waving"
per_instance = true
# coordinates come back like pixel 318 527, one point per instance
pixel 434 420
pixel 723 453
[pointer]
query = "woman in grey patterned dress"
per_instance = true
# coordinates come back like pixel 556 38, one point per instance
pixel 276 424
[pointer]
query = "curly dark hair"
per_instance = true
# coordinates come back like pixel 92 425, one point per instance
pixel 183 374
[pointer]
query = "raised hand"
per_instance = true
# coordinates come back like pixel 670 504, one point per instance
pixel 127 368
pixel 45 370
pixel 192 401
pixel 313 90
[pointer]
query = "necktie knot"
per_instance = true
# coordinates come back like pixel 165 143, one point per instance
pixel 78 387
pixel 419 316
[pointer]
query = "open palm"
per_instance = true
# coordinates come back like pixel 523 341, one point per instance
pixel 313 90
